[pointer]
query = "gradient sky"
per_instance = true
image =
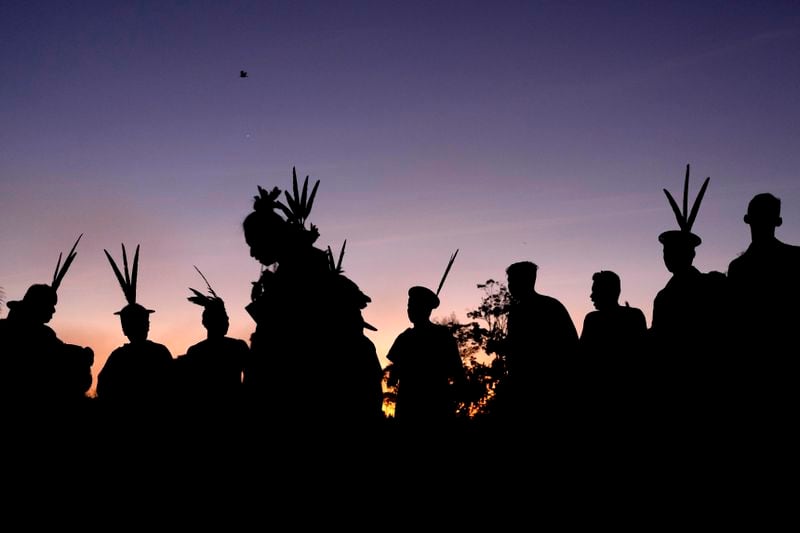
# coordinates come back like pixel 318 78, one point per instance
pixel 540 131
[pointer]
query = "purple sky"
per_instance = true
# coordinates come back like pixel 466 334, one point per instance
pixel 509 130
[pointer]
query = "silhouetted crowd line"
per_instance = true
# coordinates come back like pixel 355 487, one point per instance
pixel 720 349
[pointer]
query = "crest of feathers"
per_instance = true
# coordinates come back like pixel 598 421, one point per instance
pixel 685 217
pixel 210 300
pixel 336 266
pixel 128 281
pixel 297 207
pixel 58 275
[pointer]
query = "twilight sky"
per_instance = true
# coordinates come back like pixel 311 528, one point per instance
pixel 535 130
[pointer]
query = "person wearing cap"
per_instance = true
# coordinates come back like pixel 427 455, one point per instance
pixel 137 378
pixel 426 366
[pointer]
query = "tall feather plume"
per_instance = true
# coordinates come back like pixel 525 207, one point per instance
pixel 685 217
pixel 298 205
pixel 336 266
pixel 201 299
pixel 446 271
pixel 208 285
pixel 128 281
pixel 61 271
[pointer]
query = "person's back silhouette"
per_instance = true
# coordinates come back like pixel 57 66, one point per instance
pixel 539 350
pixel 765 289
pixel 209 374
pixel 136 382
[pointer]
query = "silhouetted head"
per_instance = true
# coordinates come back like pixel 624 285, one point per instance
pixel 272 237
pixel 266 234
pixel 421 302
pixel 215 319
pixel 38 304
pixel 521 278
pixel 678 249
pixel 135 320
pixel 764 210
pixel 605 289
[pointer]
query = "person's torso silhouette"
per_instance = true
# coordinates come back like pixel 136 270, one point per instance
pixel 426 366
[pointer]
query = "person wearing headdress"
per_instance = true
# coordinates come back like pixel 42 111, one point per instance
pixel 688 327
pixel 540 349
pixel 304 315
pixel 210 372
pixel 765 290
pixel 137 378
pixel 426 366
pixel 40 369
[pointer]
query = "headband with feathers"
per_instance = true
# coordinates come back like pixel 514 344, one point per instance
pixel 128 282
pixel 203 300
pixel 297 207
pixel 684 216
pixel 58 275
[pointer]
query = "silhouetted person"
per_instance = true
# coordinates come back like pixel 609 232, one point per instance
pixel 612 332
pixel 765 291
pixel 688 330
pixel 540 350
pixel 612 347
pixel 136 383
pixel 765 283
pixel 210 373
pixel 42 373
pixel 426 367
pixel 307 319
pixel 360 389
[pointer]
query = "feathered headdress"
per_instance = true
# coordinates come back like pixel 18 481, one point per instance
pixel 206 301
pixel 41 291
pixel 297 207
pixel 58 275
pixel 128 282
pixel 684 216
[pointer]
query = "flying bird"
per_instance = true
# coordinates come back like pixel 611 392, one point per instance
pixel 242 73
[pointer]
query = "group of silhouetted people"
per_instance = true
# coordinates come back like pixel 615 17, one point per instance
pixel 719 345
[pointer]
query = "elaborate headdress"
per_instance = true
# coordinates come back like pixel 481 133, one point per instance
pixel 39 291
pixel 684 217
pixel 128 282
pixel 296 209
pixel 212 300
